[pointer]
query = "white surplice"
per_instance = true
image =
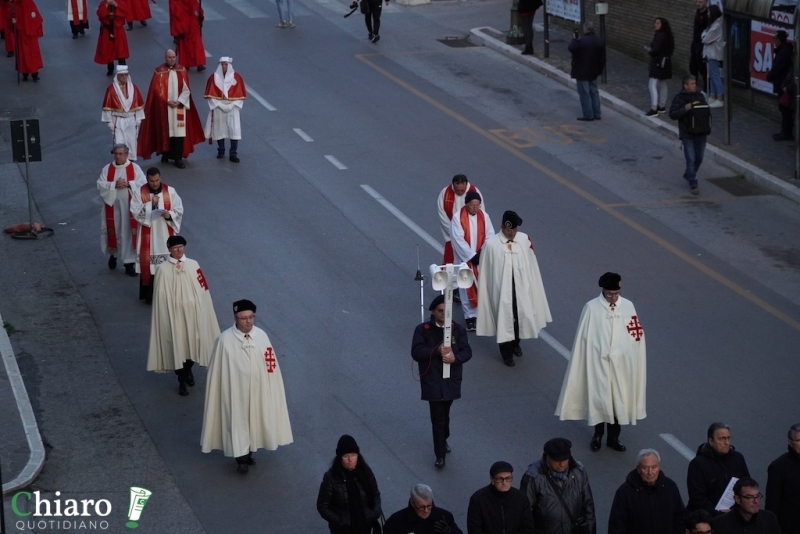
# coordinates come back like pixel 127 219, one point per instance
pixel 159 227
pixel 458 203
pixel 118 199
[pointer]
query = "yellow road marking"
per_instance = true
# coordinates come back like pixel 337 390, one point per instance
pixel 673 201
pixel 730 284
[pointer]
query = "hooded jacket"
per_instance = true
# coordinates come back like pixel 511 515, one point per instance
pixel 678 111
pixel 709 474
pixel 549 516
pixel 638 507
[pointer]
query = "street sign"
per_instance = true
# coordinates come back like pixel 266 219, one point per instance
pixel 18 141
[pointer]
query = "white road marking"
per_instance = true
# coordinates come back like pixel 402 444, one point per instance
pixel 679 446
pixel 159 15
pixel 247 9
pixel 336 163
pixel 208 54
pixel 438 247
pixel 210 14
pixel 304 136
pixel 259 98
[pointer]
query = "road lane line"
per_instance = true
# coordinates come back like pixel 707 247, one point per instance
pixel 336 163
pixel 678 445
pixel 159 14
pixel 652 236
pixel 438 247
pixel 304 136
pixel 247 9
pixel 211 14
pixel 208 54
pixel 259 98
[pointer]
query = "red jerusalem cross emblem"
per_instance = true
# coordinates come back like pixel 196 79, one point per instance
pixel 201 279
pixel 635 328
pixel 269 357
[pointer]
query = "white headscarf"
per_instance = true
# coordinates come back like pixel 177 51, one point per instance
pixel 226 81
pixel 126 102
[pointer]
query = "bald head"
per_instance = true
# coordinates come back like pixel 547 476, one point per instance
pixel 170 57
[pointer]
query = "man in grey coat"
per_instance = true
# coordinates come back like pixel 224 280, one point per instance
pixel 558 473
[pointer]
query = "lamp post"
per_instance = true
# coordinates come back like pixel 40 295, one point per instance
pixel 442 277
pixel 515 35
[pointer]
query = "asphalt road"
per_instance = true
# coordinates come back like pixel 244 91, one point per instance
pixel 715 279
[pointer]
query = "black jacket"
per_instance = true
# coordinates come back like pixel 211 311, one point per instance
pixel 549 516
pixel 424 349
pixel 493 512
pixel 709 474
pixel 640 508
pixel 406 521
pixel 678 112
pixel 660 64
pixel 528 6
pixel 701 21
pixel 781 64
pixel 783 491
pixel 764 522
pixel 588 57
pixel 333 502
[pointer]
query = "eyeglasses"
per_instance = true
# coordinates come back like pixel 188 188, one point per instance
pixel 702 532
pixel 504 480
pixel 423 507
pixel 248 318
pixel 755 497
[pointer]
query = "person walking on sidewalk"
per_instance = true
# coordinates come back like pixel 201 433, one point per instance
pixel 527 10
pixel 588 61
pixel 714 53
pixel 659 67
pixel 690 109
pixel 372 16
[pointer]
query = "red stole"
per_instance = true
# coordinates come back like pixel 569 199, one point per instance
pixel 448 202
pixel 111 230
pixel 80 13
pixel 144 250
pixel 472 292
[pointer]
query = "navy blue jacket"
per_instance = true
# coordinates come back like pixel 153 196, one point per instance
pixel 425 350
pixel 588 57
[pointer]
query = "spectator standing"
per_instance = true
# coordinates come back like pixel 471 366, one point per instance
pixel 659 67
pixel 588 61
pixel 285 14
pixel 697 66
pixel 698 522
pixel 527 10
pixel 499 508
pixel 778 74
pixel 783 485
pixel 647 501
pixel 714 52
pixel 745 516
pixel 421 516
pixel 689 107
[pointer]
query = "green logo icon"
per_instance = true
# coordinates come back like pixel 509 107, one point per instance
pixel 139 498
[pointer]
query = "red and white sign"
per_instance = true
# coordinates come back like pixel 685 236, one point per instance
pixel 762 51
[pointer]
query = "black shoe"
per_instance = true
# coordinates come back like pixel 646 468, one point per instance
pixel 182 391
pixel 130 269
pixel 164 158
pixel 112 262
pixel 446 447
pixel 370 36
pixel 24 77
pixel 180 164
pixel 74 35
pixel 242 468
pixel 661 110
pixel 10 54
pixel 584 119
pixel 617 446
pixel 651 113
pixel 439 463
pixel 517 351
pixel 376 38
pixel 249 460
pixel 189 377
pixel 595 444
pixel 201 68
pixel 527 52
pixel 143 22
pixel 234 159
pixel 471 324
pixel 509 363
pixel 220 154
pixel 130 26
pixel 35 77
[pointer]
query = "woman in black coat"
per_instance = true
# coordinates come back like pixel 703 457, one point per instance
pixel 348 497
pixel 660 65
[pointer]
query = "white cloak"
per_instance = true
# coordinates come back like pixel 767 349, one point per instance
pixel 223 120
pixel 495 315
pixel 183 325
pixel 607 374
pixel 245 406
pixel 118 199
pixel 458 203
pixel 159 227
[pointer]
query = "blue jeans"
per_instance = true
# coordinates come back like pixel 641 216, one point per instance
pixel 289 11
pixel 715 78
pixel 693 149
pixel 590 98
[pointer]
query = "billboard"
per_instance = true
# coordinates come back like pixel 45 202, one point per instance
pixel 761 53
pixel 565 9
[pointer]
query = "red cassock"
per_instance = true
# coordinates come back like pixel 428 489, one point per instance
pixel 29 30
pixel 6 26
pixel 112 43
pixel 185 21
pixel 138 10
pixel 154 130
pixel 78 13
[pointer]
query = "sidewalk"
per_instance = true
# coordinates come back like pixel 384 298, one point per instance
pixel 766 163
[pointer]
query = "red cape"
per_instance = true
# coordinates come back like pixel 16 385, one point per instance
pixel 138 10
pixel 111 100
pixel 108 49
pixel 235 92
pixel 185 19
pixel 29 30
pixel 154 131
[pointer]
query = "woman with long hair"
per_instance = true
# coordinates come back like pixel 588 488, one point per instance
pixel 348 497
pixel 659 67
pixel 713 51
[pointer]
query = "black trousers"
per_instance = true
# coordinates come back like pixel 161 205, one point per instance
pixel 697 68
pixel 613 431
pixel 146 292
pixel 183 374
pixel 110 66
pixel 527 29
pixel 373 18
pixel 176 148
pixel 79 28
pixel 507 348
pixel 440 421
pixel 787 121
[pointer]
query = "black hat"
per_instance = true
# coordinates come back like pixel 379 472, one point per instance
pixel 175 240
pixel 347 445
pixel 610 281
pixel 511 220
pixel 243 305
pixel 472 195
pixel 558 449
pixel 500 467
pixel 435 302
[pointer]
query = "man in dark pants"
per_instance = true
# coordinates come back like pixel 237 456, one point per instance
pixel 697 65
pixel 588 62
pixel 781 68
pixel 527 10
pixel 783 485
pixel 372 16
pixel 427 350
pixel 694 144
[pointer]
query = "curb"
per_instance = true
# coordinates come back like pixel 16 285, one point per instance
pixel 751 173
pixel 36 460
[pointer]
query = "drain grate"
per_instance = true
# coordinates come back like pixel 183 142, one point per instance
pixel 456 42
pixel 738 186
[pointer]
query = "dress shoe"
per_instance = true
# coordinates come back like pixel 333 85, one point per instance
pixel 220 154
pixel 112 262
pixel 35 77
pixel 376 38
pixel 509 363
pixel 74 35
pixel 439 463
pixel 180 164
pixel 527 52
pixel 10 54
pixel 586 119
pixel 242 468
pixel 164 158
pixel 234 159
pixel 249 460
pixel 201 68
pixel 130 269
pixel 24 77
pixel 595 444
pixel 617 446
pixel 517 351
pixel 190 378
pixel 446 447
pixel 182 391
pixel 130 26
pixel 143 22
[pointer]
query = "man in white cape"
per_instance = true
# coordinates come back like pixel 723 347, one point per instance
pixel 117 226
pixel 512 304
pixel 245 406
pixel 469 230
pixel 607 375
pixel 159 211
pixel 123 110
pixel 183 326
pixel 225 93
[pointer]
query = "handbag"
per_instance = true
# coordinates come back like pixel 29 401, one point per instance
pixel 364 5
pixel 577 526
pixel 785 100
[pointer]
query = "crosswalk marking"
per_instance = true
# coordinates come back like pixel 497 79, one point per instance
pixel 247 9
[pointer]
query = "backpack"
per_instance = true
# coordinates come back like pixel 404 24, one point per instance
pixel 698 119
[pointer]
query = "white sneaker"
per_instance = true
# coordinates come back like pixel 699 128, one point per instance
pixel 716 104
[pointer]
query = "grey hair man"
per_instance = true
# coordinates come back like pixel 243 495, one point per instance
pixel 783 484
pixel 648 501
pixel 712 468
pixel 421 515
pixel 588 62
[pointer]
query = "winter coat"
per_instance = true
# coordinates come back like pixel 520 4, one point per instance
pixel 638 507
pixel 424 349
pixel 790 86
pixel 783 491
pixel 333 502
pixel 493 512
pixel 528 6
pixel 588 57
pixel 678 112
pixel 764 522
pixel 406 521
pixel 780 66
pixel 709 474
pixel 549 516
pixel 713 42
pixel 660 51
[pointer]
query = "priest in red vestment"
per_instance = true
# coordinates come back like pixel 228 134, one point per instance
pixel 185 25
pixel 450 201
pixel 6 27
pixel 27 22
pixel 138 10
pixel 112 43
pixel 78 17
pixel 171 126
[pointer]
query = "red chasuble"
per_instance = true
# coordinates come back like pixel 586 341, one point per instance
pixel 235 92
pixel 111 100
pixel 185 21
pixel 472 291
pixel 112 43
